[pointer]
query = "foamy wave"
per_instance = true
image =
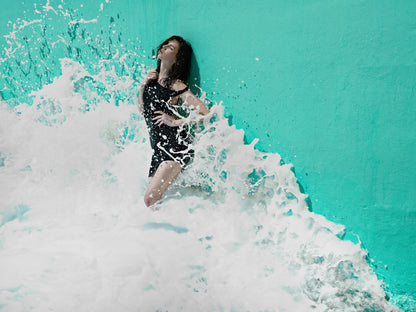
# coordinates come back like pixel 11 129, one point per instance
pixel 233 233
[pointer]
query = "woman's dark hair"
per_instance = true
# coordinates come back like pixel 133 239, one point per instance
pixel 182 67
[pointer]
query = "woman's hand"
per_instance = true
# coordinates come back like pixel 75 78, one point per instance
pixel 165 119
pixel 151 75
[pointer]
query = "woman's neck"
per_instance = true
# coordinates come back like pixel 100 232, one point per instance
pixel 164 70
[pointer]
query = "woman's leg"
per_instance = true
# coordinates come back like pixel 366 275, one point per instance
pixel 164 175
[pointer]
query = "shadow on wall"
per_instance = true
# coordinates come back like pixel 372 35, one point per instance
pixel 308 199
pixel 302 190
pixel 194 80
pixel 194 83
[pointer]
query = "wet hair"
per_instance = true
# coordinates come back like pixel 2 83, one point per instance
pixel 182 67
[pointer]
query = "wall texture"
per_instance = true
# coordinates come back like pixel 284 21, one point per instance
pixel 328 84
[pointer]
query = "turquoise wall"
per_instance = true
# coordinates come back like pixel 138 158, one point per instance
pixel 329 85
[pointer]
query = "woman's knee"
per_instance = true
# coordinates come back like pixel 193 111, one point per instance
pixel 148 201
pixel 150 198
pixel 165 174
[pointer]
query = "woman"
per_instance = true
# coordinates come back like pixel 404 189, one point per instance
pixel 159 94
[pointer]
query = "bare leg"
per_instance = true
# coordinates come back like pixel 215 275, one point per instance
pixel 164 175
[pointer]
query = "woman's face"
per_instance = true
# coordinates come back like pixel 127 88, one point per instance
pixel 168 52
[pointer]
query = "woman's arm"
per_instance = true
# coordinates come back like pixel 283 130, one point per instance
pixel 194 103
pixel 191 100
pixel 151 75
pixel 140 98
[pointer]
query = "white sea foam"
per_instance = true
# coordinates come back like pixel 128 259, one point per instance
pixel 232 234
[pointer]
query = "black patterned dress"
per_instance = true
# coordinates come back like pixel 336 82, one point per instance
pixel 168 143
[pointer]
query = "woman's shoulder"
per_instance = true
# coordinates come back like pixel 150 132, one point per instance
pixel 179 85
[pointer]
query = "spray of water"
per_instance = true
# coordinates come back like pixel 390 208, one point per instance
pixel 233 233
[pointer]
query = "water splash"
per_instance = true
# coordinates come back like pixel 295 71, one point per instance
pixel 233 232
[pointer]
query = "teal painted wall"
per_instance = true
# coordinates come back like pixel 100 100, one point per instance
pixel 329 85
